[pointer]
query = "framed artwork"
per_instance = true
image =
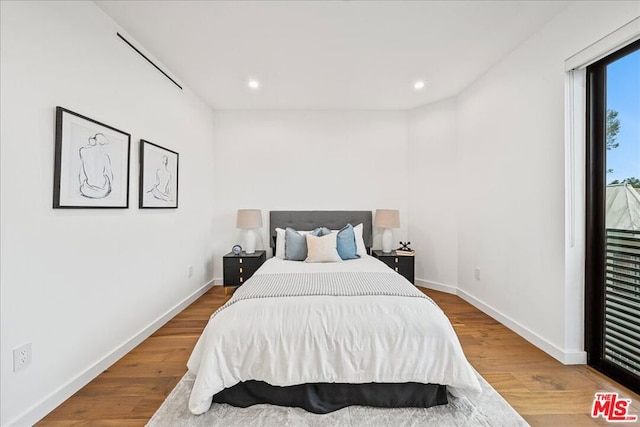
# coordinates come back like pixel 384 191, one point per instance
pixel 158 176
pixel 91 163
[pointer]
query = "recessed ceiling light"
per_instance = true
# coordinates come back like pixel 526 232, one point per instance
pixel 419 85
pixel 253 84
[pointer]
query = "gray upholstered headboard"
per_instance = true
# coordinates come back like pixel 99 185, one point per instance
pixel 309 220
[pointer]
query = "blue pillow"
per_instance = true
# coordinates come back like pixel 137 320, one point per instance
pixel 346 241
pixel 295 244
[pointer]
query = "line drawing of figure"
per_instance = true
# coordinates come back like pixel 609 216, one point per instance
pixel 162 190
pixel 96 176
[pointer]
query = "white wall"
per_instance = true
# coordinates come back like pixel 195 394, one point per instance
pixel 307 160
pixel 511 163
pixel 79 284
pixel 435 194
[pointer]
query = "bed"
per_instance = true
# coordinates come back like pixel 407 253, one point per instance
pixel 325 335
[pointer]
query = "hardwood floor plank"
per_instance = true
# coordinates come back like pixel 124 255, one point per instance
pixel 111 407
pixel 132 387
pixel 545 402
pixel 555 379
pixel 573 420
pixel 540 388
pixel 505 381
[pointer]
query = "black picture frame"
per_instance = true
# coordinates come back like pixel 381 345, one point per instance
pixel 158 177
pixel 91 166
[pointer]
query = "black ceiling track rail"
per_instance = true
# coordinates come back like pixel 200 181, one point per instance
pixel 150 61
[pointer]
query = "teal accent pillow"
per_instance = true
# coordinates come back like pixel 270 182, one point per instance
pixel 295 243
pixel 346 242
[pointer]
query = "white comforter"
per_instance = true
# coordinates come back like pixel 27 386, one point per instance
pixel 356 339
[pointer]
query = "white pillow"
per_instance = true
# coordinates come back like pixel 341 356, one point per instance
pixel 279 243
pixel 361 248
pixel 323 248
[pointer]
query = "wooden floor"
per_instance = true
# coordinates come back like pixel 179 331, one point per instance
pixel 541 389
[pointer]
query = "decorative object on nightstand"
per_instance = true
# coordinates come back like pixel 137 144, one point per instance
pixel 236 249
pixel 404 249
pixel 387 219
pixel 239 268
pixel 249 219
pixel 403 264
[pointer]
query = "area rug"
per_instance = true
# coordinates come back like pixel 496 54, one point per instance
pixel 489 409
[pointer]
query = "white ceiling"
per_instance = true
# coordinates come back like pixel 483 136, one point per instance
pixel 331 54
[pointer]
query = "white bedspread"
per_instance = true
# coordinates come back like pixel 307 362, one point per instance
pixel 354 339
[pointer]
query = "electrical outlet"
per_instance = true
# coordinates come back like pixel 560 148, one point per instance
pixel 190 271
pixel 476 272
pixel 21 357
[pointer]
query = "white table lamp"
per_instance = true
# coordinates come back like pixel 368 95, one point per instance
pixel 249 219
pixel 387 219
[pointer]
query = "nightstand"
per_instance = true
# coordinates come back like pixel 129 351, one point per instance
pixel 403 264
pixel 239 268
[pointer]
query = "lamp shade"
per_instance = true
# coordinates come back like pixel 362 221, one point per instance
pixel 248 219
pixel 387 218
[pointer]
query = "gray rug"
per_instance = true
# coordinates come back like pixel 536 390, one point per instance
pixel 489 409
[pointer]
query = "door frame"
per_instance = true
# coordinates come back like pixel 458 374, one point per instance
pixel 595 180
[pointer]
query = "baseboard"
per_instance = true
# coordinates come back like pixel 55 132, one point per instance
pixel 49 403
pixel 575 357
pixel 565 357
pixel 436 286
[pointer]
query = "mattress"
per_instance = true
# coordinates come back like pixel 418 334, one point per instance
pixel 307 334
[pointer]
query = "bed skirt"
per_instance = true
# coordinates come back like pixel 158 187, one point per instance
pixel 323 398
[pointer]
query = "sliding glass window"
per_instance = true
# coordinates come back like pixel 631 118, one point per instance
pixel 612 297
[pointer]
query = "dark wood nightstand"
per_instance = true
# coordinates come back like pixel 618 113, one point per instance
pixel 403 264
pixel 239 268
